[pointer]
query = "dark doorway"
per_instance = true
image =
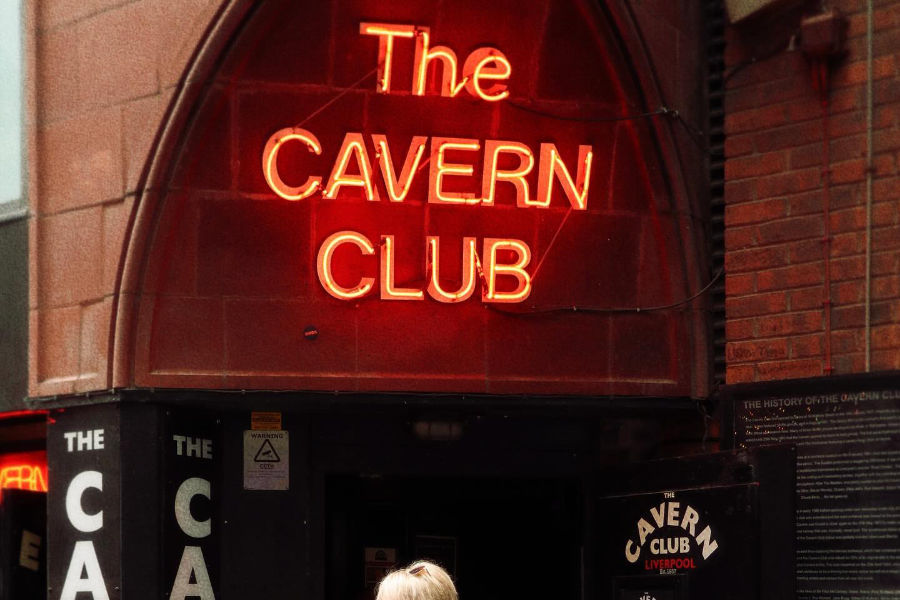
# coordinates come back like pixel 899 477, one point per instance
pixel 500 538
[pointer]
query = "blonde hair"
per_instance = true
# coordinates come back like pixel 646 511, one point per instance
pixel 421 580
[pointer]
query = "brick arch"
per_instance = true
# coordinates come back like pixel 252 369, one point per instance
pixel 153 290
pixel 223 24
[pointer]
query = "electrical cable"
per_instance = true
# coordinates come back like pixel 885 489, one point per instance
pixel 337 97
pixel 696 134
pixel 541 113
pixel 614 310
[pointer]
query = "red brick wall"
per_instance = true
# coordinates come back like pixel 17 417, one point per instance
pixel 775 211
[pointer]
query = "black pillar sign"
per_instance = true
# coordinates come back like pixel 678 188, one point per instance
pixel 83 504
pixel 191 458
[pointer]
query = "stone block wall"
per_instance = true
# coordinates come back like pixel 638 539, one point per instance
pixel 101 74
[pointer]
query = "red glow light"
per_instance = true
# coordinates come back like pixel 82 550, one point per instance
pixel 24 471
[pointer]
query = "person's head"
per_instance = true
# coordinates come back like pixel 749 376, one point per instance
pixel 421 580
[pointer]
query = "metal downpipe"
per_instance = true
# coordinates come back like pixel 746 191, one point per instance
pixel 870 166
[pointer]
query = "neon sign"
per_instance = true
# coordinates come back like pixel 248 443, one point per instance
pixel 24 477
pixel 24 471
pixel 451 163
pixel 483 64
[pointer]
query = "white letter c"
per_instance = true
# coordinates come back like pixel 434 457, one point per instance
pixel 186 491
pixel 79 519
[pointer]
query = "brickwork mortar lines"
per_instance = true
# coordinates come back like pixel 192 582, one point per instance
pixel 774 222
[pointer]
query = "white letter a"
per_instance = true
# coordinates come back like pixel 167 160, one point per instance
pixel 192 562
pixel 84 558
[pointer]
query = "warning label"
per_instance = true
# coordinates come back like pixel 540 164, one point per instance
pixel 266 453
pixel 265 420
pixel 266 460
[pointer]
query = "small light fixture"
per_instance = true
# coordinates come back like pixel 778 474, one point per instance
pixel 438 431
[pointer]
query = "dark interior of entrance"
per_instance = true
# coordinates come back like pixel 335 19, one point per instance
pixel 500 538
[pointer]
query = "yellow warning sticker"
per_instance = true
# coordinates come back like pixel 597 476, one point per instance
pixel 265 420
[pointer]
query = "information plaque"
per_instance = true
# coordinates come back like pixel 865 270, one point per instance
pixel 847 434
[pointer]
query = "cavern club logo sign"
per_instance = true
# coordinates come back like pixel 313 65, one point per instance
pixel 671 536
pixel 458 172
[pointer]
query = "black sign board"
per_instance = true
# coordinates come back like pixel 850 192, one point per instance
pixel 680 544
pixel 83 504
pixel 23 549
pixel 192 450
pixel 847 434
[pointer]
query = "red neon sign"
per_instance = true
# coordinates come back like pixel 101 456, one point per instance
pixel 353 168
pixel 24 471
pixel 484 63
pixel 233 268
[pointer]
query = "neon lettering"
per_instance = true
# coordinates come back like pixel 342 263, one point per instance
pixel 516 269
pixel 23 477
pixel 388 290
pixel 398 187
pixel 484 74
pixel 270 163
pixel 323 265
pixel 551 169
pixel 386 34
pixel 440 169
pixel 470 262
pixel 467 288
pixel 487 64
pixel 551 164
pixel 424 56
pixel 492 173
pixel 353 146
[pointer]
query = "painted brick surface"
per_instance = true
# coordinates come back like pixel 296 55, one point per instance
pixel 776 290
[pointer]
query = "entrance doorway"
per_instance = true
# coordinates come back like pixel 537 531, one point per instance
pixel 500 538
